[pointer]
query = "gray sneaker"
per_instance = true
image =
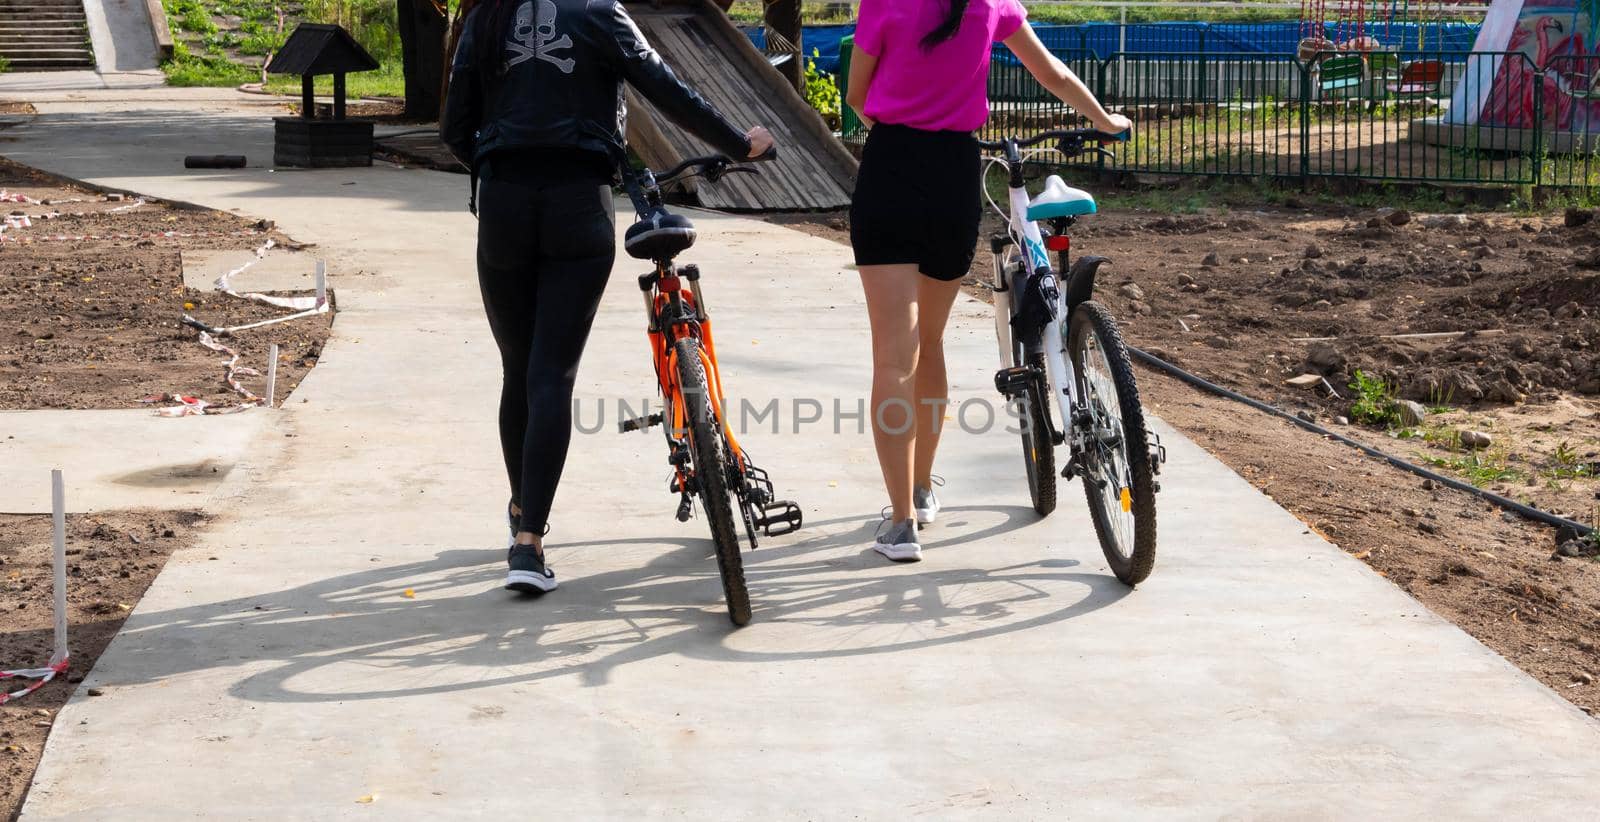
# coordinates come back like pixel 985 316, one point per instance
pixel 899 541
pixel 926 504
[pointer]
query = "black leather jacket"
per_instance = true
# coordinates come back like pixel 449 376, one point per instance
pixel 561 85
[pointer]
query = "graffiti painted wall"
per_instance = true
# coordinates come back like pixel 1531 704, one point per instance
pixel 1546 70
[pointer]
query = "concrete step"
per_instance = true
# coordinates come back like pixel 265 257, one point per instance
pixel 71 38
pixel 44 54
pixel 21 64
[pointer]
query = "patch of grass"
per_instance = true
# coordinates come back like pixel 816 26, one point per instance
pixel 1564 466
pixel 5 65
pixel 1479 467
pixel 388 81
pixel 1375 402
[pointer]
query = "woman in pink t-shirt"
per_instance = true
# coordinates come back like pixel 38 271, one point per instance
pixel 919 79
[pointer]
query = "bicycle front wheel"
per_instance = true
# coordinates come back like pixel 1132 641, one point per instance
pixel 711 474
pixel 1118 476
pixel 1038 447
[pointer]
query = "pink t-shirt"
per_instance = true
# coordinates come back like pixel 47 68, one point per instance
pixel 945 88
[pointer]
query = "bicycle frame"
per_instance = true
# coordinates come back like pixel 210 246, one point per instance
pixel 1007 279
pixel 675 312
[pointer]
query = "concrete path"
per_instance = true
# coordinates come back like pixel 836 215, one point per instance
pixel 122 36
pixel 118 459
pixel 1260 673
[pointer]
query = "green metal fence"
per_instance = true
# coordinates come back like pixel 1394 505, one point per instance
pixel 1436 116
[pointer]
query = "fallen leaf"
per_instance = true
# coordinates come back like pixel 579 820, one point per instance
pixel 368 799
pixel 410 594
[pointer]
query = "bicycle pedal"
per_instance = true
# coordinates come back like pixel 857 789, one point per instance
pixel 1072 469
pixel 1014 381
pixel 639 423
pixel 685 508
pixel 779 518
pixel 1160 456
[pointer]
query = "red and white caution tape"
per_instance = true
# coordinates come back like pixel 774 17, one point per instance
pixel 8 197
pixel 40 677
pixel 154 235
pixel 129 207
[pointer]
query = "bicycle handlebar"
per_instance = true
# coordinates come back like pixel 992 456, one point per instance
pixel 1068 141
pixel 714 166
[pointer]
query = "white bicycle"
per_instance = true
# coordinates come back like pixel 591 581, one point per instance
pixel 1059 342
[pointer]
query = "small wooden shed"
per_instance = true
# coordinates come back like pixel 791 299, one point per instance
pixel 316 49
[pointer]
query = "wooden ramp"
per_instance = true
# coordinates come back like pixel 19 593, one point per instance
pixel 813 171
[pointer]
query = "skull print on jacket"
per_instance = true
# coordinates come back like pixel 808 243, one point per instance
pixel 560 84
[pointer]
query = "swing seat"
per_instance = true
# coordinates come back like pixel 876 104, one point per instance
pixel 1341 73
pixel 1383 65
pixel 1418 79
pixel 1060 200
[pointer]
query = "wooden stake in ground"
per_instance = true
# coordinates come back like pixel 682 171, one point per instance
pixel 322 283
pixel 58 500
pixel 272 376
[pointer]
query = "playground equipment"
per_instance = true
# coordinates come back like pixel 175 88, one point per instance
pixel 1539 66
pixel 696 38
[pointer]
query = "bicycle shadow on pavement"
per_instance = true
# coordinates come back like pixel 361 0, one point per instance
pixel 818 594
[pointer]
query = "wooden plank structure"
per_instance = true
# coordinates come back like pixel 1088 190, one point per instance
pixel 305 141
pixel 814 172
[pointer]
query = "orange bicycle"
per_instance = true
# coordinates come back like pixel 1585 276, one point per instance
pixel 707 460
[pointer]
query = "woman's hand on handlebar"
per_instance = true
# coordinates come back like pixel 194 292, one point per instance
pixel 760 141
pixel 1113 124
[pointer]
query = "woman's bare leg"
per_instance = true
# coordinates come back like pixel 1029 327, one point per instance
pixel 892 310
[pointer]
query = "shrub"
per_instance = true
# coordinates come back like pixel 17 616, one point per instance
pixel 822 92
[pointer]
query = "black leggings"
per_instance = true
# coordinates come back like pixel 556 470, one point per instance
pixel 546 241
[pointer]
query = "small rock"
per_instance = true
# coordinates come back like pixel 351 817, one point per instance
pixel 1341 420
pixel 1211 260
pixel 1577 217
pixel 115 198
pixel 1585 645
pixel 1475 440
pixel 1427 527
pixel 1445 220
pixel 1399 217
pixel 1410 412
pixel 1132 291
pixel 1324 356
pixel 1510 516
pixel 1483 251
pixel 95 692
pixel 1321 305
pixel 1306 416
pixel 1219 341
pixel 1571 548
pixel 1584 677
pixel 1429 485
pixel 1137 307
pixel 1186 279
pixel 1411 512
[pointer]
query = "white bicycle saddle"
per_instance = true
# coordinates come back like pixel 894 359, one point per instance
pixel 1060 200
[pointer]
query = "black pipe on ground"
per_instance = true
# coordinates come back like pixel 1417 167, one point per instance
pixel 1508 504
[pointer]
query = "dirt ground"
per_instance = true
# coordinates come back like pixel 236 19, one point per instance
pixel 112 558
pixel 91 301
pixel 1226 294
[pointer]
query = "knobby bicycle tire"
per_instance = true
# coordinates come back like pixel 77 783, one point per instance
pixel 1038 447
pixel 1133 568
pixel 711 471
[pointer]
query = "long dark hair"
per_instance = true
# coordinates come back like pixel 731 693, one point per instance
pixel 489 51
pixel 948 26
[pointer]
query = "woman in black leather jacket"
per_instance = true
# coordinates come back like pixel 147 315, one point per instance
pixel 536 110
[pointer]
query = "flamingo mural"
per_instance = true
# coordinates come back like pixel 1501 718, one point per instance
pixel 1548 69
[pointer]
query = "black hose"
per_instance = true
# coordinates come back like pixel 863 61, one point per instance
pixel 1508 504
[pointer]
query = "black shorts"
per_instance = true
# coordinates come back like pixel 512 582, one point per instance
pixel 918 201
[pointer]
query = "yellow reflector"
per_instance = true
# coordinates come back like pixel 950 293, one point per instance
pixel 1127 500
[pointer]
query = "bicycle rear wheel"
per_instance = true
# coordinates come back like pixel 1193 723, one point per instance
pixel 1038 447
pixel 1118 476
pixel 711 474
